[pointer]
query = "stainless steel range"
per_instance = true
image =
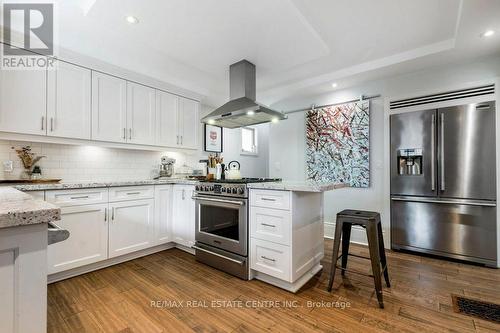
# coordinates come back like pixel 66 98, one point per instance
pixel 222 224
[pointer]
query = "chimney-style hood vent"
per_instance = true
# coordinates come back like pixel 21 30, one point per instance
pixel 242 110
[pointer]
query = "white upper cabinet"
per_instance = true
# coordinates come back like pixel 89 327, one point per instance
pixel 167 106
pixel 23 101
pixel 141 114
pixel 177 121
pixel 68 101
pixel 189 123
pixel 109 111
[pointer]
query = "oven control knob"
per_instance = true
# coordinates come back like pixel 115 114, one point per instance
pixel 223 189
pixel 197 188
pixel 241 190
pixel 211 188
pixel 206 188
pixel 234 190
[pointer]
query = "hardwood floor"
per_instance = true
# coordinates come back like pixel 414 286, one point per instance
pixel 119 298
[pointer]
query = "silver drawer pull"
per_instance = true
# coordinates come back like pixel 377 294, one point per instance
pixel 266 258
pixel 268 199
pixel 218 255
pixel 82 197
pixel 133 193
pixel 268 225
pixel 240 203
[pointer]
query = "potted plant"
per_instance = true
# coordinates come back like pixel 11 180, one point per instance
pixel 29 160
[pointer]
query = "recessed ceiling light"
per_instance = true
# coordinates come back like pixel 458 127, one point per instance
pixel 250 113
pixel 275 120
pixel 211 121
pixel 334 85
pixel 132 19
pixel 488 33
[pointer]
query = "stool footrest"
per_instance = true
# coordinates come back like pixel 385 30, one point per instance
pixel 354 255
pixel 355 272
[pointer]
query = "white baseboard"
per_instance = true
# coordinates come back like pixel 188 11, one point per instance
pixel 358 234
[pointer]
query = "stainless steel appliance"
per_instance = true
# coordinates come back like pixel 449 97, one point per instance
pixel 443 182
pixel 222 224
pixel 242 109
pixel 166 167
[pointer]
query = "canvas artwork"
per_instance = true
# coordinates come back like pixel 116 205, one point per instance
pixel 338 144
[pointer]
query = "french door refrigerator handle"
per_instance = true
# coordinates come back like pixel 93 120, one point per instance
pixel 433 157
pixel 480 203
pixel 441 143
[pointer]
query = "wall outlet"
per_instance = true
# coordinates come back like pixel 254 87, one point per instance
pixel 8 166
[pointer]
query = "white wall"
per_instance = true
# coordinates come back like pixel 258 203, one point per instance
pixel 287 138
pixel 92 163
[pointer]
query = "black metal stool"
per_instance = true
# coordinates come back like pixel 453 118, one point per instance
pixel 371 222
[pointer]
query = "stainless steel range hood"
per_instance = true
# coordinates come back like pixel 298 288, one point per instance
pixel 242 110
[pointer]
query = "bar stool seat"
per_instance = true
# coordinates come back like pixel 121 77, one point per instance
pixel 370 221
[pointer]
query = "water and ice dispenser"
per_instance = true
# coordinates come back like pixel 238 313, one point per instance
pixel 410 162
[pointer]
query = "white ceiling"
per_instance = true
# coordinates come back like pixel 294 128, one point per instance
pixel 297 45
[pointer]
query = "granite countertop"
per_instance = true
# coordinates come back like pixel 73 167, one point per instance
pixel 298 186
pixel 18 208
pixel 77 185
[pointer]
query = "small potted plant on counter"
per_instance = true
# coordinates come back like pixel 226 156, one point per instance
pixel 29 160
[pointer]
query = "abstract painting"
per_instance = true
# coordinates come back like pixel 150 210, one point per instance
pixel 338 144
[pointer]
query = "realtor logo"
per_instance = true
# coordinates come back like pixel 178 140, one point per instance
pixel 28 35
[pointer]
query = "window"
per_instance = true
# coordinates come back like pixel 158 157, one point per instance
pixel 249 141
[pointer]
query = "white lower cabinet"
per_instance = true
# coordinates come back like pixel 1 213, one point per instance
pixel 130 226
pixel 270 258
pixel 107 223
pixel 183 215
pixel 163 214
pixel 286 237
pixel 88 241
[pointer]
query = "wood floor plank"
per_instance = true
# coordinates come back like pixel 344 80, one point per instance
pixel 127 298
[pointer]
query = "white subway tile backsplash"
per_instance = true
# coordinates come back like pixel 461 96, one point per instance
pixel 90 163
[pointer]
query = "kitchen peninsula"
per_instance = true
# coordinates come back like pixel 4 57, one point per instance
pixel 286 231
pixel 23 260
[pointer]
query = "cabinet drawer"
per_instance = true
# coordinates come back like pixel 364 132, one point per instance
pixel 270 258
pixel 273 225
pixel 130 193
pixel 270 199
pixel 66 198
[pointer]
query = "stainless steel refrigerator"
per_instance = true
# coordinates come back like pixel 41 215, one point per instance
pixel 443 182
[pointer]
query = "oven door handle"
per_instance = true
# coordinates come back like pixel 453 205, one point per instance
pixel 239 262
pixel 241 203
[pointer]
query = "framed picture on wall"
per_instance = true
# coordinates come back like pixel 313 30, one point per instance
pixel 213 138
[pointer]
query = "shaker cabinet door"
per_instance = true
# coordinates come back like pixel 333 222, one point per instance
pixel 88 241
pixel 189 123
pixel 68 101
pixel 140 114
pixel 109 111
pixel 130 227
pixel 163 214
pixel 167 119
pixel 23 106
pixel 183 217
